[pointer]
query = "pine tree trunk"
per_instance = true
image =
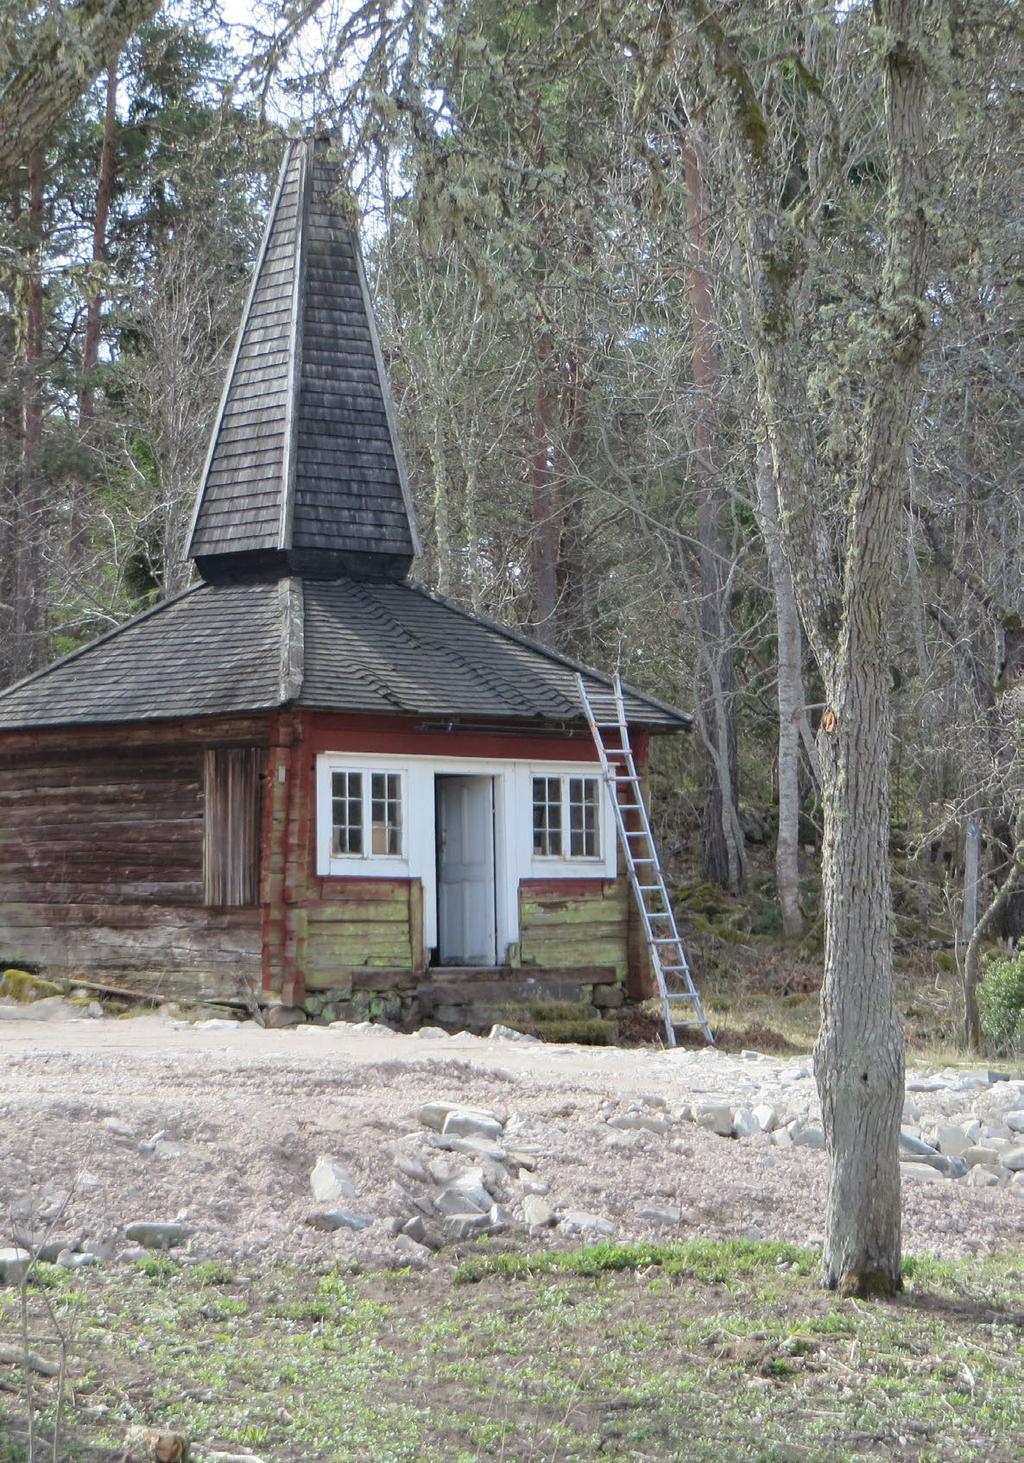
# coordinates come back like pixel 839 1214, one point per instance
pixel 28 505
pixel 94 306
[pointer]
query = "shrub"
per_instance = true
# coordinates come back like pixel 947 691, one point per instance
pixel 1001 1004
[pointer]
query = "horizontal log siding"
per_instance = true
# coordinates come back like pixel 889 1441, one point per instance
pixel 567 923
pixel 321 933
pixel 101 859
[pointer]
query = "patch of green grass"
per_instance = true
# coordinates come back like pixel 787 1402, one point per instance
pixel 715 1353
pixel 707 1260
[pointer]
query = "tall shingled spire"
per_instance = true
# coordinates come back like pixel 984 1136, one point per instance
pixel 304 474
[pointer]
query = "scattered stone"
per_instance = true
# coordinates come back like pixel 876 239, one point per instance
pixel 532 1185
pixel 69 1260
pixel 411 1168
pixel 982 1177
pixel 429 1032
pixel 1015 1120
pixel 466 1226
pixel 500 1218
pixel 744 1124
pixel 577 1222
pixel 927 1084
pixel 508 1033
pixel 433 1114
pixel 14 1265
pixel 119 1129
pixel 278 1018
pixel 979 1154
pixel 765 1116
pixel 411 1253
pixel 537 1212
pixel 911 1144
pixel 641 1123
pixel 217 1023
pixel 807 1135
pixel 921 1172
pixel 951 1140
pixel 462 1198
pixel 153 1236
pixel 1013 1160
pixel 781 1138
pixel 669 1217
pixel 716 1117
pixel 470 1123
pixel 330 1182
pixel 332 1219
pixel 45 1247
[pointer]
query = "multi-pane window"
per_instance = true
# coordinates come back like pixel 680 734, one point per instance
pixel 347 814
pixel 583 818
pixel 547 816
pixel 386 813
pixel 566 817
pixel 366 814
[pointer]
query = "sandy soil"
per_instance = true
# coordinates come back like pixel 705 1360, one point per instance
pixel 244 1114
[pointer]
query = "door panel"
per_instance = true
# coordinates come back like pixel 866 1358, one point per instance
pixel 465 872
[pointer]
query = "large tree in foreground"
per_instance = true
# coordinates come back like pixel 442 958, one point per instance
pixel 841 492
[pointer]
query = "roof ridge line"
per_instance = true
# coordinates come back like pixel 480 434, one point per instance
pixel 292 599
pixel 100 640
pixel 289 461
pixel 534 645
pixel 229 374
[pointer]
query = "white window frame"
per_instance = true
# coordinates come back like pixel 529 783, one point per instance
pixel 366 863
pixel 513 829
pixel 567 863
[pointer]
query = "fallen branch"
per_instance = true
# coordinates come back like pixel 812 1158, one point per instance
pixel 17 1356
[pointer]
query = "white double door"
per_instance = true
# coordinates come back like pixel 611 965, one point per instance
pixel 466 903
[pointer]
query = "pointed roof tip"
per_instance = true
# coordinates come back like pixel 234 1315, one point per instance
pixel 305 469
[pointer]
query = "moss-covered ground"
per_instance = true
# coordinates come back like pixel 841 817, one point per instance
pixel 685 1351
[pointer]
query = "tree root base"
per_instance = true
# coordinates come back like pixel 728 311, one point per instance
pixel 865 1284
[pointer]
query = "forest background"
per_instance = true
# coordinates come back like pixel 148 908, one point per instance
pixel 552 207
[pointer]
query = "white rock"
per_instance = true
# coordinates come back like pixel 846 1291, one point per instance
pixel 669 1218
pixel 577 1222
pixel 744 1123
pixel 154 1236
pixel 464 1226
pixel 1013 1159
pixel 979 1154
pixel 781 1138
pixel 922 1173
pixel 982 1177
pixel 951 1140
pixel 14 1265
pixel 463 1200
pixel 1015 1120
pixel 537 1212
pixel 506 1033
pixel 639 1122
pixel 119 1129
pixel 716 1117
pixel 217 1023
pixel 329 1181
pixel 766 1117
pixel 427 1032
pixel 808 1135
pixel 471 1123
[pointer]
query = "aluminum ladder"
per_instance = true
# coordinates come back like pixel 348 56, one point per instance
pixel 680 1001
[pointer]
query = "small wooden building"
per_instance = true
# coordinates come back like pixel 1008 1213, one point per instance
pixel 309 772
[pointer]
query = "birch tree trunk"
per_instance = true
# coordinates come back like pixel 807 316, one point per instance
pixel 791 701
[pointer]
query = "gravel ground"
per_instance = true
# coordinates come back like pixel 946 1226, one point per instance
pixel 243 1114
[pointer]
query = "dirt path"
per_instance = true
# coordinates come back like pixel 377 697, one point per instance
pixel 145 1120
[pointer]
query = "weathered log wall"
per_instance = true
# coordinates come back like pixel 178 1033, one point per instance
pixel 101 857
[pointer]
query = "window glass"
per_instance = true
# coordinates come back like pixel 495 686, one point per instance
pixel 347 814
pixel 386 813
pixel 584 841
pixel 547 816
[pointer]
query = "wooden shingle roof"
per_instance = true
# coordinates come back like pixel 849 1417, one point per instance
pixel 350 645
pixel 304 472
